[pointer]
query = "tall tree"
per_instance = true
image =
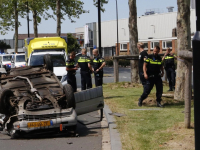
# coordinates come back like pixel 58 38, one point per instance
pixel 39 9
pixel 9 13
pixel 183 43
pixel 133 39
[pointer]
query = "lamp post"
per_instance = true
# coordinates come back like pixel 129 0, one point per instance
pixel 99 25
pixel 28 20
pixel 117 53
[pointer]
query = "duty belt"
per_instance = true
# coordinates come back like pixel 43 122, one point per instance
pixel 152 76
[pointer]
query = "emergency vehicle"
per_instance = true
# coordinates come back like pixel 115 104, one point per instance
pixel 56 47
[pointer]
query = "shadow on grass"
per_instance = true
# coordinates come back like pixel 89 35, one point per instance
pixel 110 97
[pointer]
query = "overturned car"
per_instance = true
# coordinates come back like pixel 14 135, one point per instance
pixel 32 98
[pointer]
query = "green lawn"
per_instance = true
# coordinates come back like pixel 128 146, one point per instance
pixel 148 129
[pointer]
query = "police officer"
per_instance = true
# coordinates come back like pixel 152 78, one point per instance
pixel 170 68
pixel 84 63
pixel 71 71
pixel 98 64
pixel 153 71
pixel 142 57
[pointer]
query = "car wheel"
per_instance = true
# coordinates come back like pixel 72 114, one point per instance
pixel 48 63
pixel 68 90
pixel 5 95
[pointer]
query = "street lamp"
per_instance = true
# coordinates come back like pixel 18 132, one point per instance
pixel 117 53
pixel 28 19
pixel 99 25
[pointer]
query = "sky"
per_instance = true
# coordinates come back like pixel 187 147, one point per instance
pixel 49 26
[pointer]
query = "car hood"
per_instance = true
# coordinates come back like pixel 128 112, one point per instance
pixel 59 71
pixel 20 64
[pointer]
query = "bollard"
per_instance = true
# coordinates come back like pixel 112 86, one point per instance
pixel 196 83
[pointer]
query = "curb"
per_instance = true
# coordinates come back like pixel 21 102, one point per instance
pixel 114 134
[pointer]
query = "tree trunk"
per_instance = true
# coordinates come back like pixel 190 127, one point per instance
pixel 16 26
pixel 183 43
pixel 58 17
pixel 133 39
pixel 35 23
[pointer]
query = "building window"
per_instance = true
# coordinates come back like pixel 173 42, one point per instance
pixel 145 46
pixel 153 44
pixel 123 47
pixel 167 44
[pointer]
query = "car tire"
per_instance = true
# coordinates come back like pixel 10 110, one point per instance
pixel 48 63
pixel 5 94
pixel 68 90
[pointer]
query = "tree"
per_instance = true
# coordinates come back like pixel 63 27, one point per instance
pixel 71 8
pixel 183 43
pixel 9 13
pixel 72 44
pixel 39 9
pixel 133 39
pixel 3 45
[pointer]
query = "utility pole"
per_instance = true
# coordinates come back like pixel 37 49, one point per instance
pixel 116 61
pixel 28 20
pixel 99 26
pixel 196 74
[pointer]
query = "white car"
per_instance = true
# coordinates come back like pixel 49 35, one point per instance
pixel 18 60
pixel 5 60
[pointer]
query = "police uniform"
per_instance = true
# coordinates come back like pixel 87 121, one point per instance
pixel 143 55
pixel 154 63
pixel 71 78
pixel 170 70
pixel 86 80
pixel 98 76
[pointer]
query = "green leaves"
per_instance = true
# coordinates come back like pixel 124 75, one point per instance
pixel 72 43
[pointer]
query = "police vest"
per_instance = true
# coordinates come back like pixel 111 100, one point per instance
pixel 97 62
pixel 154 64
pixel 83 63
pixel 70 64
pixel 169 61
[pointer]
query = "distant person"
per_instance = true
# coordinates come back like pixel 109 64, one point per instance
pixel 153 71
pixel 170 68
pixel 98 64
pixel 142 57
pixel 84 63
pixel 71 71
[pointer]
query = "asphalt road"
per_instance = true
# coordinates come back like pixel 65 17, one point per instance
pixel 89 138
pixel 124 75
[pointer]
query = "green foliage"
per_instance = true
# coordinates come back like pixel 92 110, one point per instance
pixel 7 14
pixel 71 8
pixel 3 45
pixel 72 44
pixel 102 3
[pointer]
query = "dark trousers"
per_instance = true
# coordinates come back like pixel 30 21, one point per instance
pixel 98 77
pixel 142 79
pixel 150 82
pixel 86 80
pixel 71 79
pixel 171 74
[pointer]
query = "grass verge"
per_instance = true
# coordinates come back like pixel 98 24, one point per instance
pixel 148 129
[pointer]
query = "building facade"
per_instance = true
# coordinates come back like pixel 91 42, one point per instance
pixel 156 29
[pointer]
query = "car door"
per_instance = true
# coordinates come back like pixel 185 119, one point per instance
pixel 89 100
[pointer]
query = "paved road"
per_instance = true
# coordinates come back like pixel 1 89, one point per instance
pixel 90 138
pixel 124 75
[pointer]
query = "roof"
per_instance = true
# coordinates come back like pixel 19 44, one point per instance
pixel 24 36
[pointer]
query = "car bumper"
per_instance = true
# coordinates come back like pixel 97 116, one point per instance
pixel 61 122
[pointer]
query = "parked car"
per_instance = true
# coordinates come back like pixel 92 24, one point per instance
pixel 5 61
pixel 18 60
